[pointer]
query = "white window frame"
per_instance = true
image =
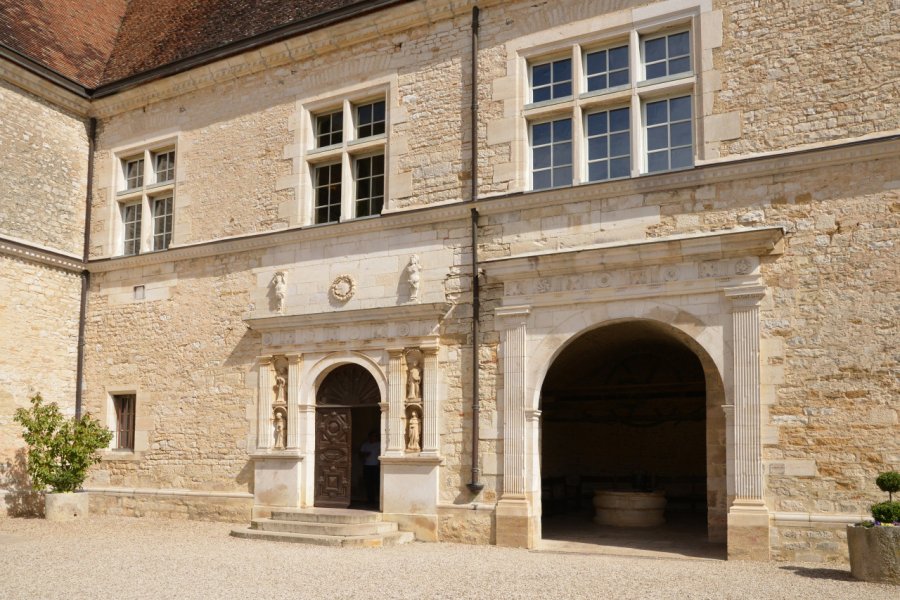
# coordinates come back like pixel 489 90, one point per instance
pixel 635 95
pixel 145 195
pixel 346 152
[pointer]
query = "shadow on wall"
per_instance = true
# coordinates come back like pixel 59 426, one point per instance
pixel 19 500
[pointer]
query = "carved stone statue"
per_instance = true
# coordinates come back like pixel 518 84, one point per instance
pixel 280 388
pixel 413 277
pixel 413 382
pixel 279 430
pixel 280 289
pixel 413 433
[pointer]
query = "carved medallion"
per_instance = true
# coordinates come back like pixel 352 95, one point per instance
pixel 743 267
pixel 342 288
pixel 604 280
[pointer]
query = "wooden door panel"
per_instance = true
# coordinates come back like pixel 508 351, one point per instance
pixel 333 457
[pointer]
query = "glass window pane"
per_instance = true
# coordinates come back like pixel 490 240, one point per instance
pixel 681 134
pixel 562 176
pixel 619 144
pixel 657 137
pixel 540 134
pixel 679 65
pixel 597 82
pixel 596 123
pixel 562 70
pixel 560 90
pixel 680 108
pixel 618 119
pixel 597 148
pixel 562 130
pixel 657 112
pixel 656 70
pixel 562 153
pixel 541 180
pixel 364 114
pixel 657 161
pixel 378 165
pixel 679 44
pixel 540 75
pixel 597 171
pixel 362 188
pixel 596 62
pixel 618 58
pixel 655 50
pixel 617 78
pixel 620 167
pixel 541 94
pixel 378 111
pixel 682 157
pixel 541 157
pixel 363 167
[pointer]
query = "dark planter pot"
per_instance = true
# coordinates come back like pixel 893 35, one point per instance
pixel 874 553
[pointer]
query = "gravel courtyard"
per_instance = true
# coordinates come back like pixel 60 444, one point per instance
pixel 107 557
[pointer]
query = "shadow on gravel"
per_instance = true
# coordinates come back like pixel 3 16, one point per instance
pixel 821 573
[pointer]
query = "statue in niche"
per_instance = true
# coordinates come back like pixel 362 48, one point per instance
pixel 279 430
pixel 280 290
pixel 413 277
pixel 413 382
pixel 280 388
pixel 413 433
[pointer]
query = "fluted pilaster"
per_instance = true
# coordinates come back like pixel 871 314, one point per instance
pixel 514 401
pixel 264 405
pixel 293 401
pixel 430 377
pixel 394 425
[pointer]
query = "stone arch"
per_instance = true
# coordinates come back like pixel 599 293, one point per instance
pixel 320 370
pixel 702 337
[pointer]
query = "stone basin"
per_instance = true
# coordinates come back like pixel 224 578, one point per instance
pixel 629 509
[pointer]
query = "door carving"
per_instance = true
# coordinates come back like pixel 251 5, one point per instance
pixel 333 457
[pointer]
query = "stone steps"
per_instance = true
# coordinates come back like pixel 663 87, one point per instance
pixel 326 527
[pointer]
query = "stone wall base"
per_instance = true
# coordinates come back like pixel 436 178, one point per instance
pixel 466 524
pixel 809 542
pixel 425 527
pixel 748 532
pixel 172 506
pixel 515 525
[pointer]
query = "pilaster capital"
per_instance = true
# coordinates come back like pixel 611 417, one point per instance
pixel 395 352
pixel 744 297
pixel 533 415
pixel 294 359
pixel 512 316
pixel 266 359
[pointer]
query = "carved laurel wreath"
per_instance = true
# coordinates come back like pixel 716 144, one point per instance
pixel 342 288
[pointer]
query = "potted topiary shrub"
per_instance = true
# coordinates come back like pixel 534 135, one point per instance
pixel 60 451
pixel 875 545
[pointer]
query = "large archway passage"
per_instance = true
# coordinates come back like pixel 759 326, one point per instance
pixel 347 416
pixel 624 408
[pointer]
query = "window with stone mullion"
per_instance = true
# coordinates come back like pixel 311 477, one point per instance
pixel 131 219
pixel 328 193
pixel 551 154
pixel 162 223
pixel 329 129
pixel 369 185
pixel 609 144
pixel 669 134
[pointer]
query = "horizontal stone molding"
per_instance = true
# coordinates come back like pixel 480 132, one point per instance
pixel 411 459
pixel 116 491
pixel 38 254
pixel 794 518
pixel 34 84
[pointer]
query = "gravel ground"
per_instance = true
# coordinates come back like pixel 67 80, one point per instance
pixel 109 557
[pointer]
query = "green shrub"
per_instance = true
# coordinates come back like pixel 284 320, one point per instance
pixel 60 450
pixel 886 512
pixel 889 482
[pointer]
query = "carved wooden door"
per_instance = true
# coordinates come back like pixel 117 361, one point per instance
pixel 333 456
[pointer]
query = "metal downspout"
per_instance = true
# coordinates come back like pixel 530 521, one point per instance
pixel 475 485
pixel 85 274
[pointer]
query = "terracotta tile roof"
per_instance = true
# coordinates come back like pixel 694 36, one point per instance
pixel 73 37
pixel 96 42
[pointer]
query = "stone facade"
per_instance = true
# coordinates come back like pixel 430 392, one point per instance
pixel 773 261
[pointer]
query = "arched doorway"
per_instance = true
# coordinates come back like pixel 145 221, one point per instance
pixel 626 407
pixel 347 416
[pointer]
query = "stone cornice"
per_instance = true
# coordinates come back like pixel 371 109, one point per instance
pixel 39 254
pixel 408 312
pixel 260 241
pixel 694 247
pixel 42 88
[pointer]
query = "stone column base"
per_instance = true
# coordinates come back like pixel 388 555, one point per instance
pixel 65 506
pixel 514 525
pixel 748 531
